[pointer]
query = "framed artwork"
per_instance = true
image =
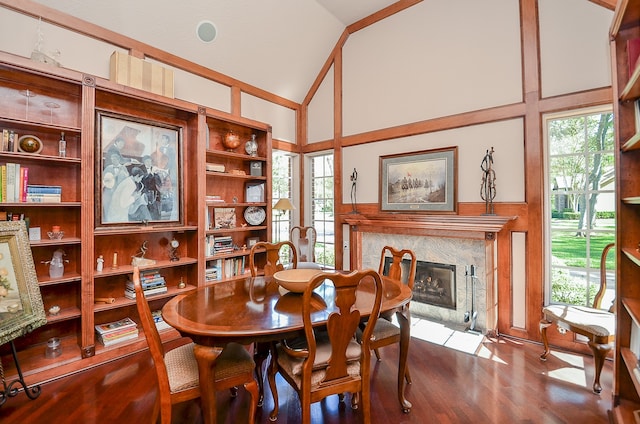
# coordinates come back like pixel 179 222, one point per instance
pixel 139 165
pixel 224 217
pixel 251 241
pixel 422 181
pixel 21 307
pixel 254 193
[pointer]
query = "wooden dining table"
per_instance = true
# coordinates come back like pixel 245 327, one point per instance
pixel 257 309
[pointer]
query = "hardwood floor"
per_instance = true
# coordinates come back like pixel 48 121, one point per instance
pixel 504 383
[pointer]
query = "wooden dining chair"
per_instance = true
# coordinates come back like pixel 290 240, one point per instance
pixel 273 254
pixel 273 263
pixel 401 268
pixel 304 238
pixel 177 369
pixel 332 361
pixel 597 324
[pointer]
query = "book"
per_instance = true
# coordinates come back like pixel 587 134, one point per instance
pixel 11 182
pixel 42 198
pixel 24 178
pixel 44 189
pixel 115 325
pixel 111 342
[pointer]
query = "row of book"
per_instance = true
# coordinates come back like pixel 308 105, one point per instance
pixel 9 141
pixel 152 283
pixel 225 268
pixel 15 187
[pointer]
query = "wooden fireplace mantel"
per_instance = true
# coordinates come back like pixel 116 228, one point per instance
pixel 475 227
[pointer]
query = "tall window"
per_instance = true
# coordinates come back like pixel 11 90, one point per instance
pixel 282 187
pixel 581 204
pixel 322 210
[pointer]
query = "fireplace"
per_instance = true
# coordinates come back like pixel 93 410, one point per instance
pixel 437 241
pixel 435 284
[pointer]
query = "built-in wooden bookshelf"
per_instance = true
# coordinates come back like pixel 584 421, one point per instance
pixel 625 29
pixel 61 100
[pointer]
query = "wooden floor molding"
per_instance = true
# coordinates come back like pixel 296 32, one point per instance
pixel 504 382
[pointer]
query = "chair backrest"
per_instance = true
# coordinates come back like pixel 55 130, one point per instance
pixel 397 265
pixel 342 325
pixel 154 342
pixel 304 238
pixel 273 261
pixel 597 300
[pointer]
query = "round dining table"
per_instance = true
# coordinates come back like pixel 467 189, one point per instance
pixel 257 309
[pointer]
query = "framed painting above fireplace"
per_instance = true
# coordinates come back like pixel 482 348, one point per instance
pixel 422 181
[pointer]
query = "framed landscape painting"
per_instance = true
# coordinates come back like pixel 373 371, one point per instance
pixel 422 181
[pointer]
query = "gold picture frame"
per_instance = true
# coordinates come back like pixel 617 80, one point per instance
pixel 21 307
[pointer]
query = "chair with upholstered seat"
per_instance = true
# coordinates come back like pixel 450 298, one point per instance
pixel 273 254
pixel 304 238
pixel 177 369
pixel 331 361
pixel 272 263
pixel 400 266
pixel 594 323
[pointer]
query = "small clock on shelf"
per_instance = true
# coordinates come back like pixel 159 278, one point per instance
pixel 173 250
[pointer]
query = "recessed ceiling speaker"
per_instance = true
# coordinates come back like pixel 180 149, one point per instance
pixel 206 31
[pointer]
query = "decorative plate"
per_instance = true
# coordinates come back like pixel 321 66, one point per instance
pixel 30 144
pixel 254 215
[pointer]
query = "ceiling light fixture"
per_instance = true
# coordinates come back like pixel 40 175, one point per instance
pixel 206 31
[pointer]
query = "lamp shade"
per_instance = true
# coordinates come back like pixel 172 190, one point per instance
pixel 284 204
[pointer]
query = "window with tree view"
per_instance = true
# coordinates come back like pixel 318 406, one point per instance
pixel 581 205
pixel 322 217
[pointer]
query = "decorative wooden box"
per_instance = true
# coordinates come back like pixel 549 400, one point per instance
pixel 137 73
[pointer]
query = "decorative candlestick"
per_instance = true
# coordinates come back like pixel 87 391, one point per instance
pixel 114 265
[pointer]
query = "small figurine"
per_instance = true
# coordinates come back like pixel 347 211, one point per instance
pixel 182 284
pixel 56 264
pixel 100 264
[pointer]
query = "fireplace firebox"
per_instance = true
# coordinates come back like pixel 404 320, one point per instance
pixel 435 283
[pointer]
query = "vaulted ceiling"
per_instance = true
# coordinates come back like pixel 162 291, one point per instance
pixel 276 45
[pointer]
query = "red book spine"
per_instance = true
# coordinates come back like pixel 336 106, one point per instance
pixel 25 181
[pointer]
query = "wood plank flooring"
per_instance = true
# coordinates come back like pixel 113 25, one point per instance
pixel 504 383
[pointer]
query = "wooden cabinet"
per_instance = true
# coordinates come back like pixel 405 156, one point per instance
pixel 625 32
pixel 237 197
pixel 45 101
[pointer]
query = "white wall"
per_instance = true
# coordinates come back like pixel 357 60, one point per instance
pixel 18 35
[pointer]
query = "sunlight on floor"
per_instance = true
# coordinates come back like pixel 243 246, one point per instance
pixel 570 367
pixel 433 332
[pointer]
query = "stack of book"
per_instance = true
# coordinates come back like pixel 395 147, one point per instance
pixel 152 283
pixel 43 194
pixel 222 244
pixel 211 274
pixel 160 323
pixel 117 331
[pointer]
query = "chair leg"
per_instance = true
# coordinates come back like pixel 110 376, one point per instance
pixel 544 324
pixel 252 388
pixel 407 376
pixel 261 353
pixel 600 352
pixel 377 352
pixel 271 375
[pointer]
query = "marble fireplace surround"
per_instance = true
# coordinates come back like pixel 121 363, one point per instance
pixel 448 239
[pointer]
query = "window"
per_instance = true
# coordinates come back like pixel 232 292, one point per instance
pixel 321 207
pixel 580 204
pixel 282 187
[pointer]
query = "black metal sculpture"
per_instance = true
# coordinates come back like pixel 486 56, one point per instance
pixel 488 187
